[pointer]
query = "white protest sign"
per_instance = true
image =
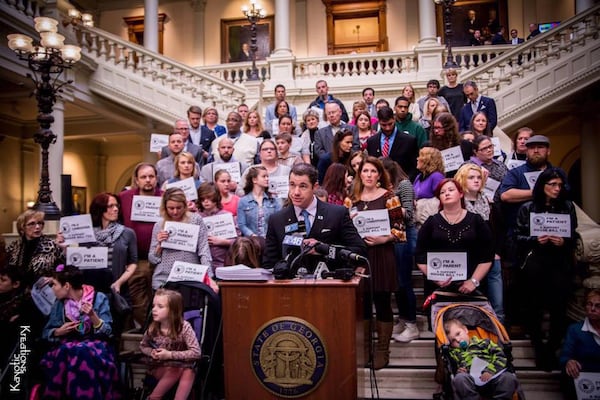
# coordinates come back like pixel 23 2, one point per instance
pixel 587 386
pixel 453 158
pixel 491 186
pixel 188 185
pixel 232 167
pixel 88 257
pixel 477 367
pixel 531 178
pixel 279 185
pixel 220 225
pixel 184 271
pixel 372 223
pixel 497 148
pixel 275 127
pixel 512 164
pixel 158 141
pixel 145 208
pixel 441 266
pixel 541 224
pixel 42 295
pixel 77 229
pixel 182 236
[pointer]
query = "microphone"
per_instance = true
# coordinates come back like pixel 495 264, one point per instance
pixel 344 274
pixel 282 268
pixel 338 253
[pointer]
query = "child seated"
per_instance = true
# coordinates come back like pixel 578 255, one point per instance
pixel 171 346
pixel 464 351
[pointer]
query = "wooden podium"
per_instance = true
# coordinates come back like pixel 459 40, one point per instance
pixel 293 339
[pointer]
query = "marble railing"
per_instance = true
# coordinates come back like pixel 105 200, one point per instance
pixel 30 8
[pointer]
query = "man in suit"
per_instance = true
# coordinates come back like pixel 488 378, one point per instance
pixel 324 136
pixel 514 37
pixel 534 30
pixel 200 135
pixel 392 143
pixel 475 103
pixel 311 219
pixel 181 127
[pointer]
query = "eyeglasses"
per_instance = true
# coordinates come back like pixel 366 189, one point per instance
pixel 35 223
pixel 268 149
pixel 113 206
pixel 183 129
pixel 554 184
pixel 486 148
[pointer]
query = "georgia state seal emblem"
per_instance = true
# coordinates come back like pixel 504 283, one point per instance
pixel 289 357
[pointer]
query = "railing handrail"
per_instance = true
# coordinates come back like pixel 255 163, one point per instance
pixel 529 44
pixel 140 50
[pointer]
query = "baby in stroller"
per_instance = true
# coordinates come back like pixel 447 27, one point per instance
pixel 494 379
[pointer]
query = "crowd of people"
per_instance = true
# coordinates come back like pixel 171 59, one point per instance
pixel 429 165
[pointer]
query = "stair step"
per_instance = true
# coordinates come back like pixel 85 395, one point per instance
pixel 413 383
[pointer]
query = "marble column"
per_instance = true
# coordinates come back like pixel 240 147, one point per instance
pixel 282 28
pixel 199 7
pixel 151 25
pixel 427 36
pixel 55 152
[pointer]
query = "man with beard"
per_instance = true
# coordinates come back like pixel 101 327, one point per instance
pixel 140 289
pixel 228 162
pixel 516 189
pixel 245 146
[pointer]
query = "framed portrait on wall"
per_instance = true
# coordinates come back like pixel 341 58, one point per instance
pixel 489 15
pixel 235 39
pixel 79 199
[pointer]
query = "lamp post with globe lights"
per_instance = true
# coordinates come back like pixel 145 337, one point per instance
pixel 254 14
pixel 448 33
pixel 47 59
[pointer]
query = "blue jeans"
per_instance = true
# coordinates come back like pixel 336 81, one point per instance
pixel 405 296
pixel 495 295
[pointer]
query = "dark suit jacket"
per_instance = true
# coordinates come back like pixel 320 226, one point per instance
pixel 404 151
pixel 206 138
pixel 324 139
pixel 332 225
pixel 487 105
pixel 190 148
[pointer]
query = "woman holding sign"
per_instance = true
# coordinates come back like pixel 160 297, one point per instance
pixel 546 240
pixel 373 191
pixel 459 236
pixel 209 205
pixel 185 167
pixel 164 249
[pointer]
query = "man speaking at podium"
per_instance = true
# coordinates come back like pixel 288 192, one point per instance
pixel 307 222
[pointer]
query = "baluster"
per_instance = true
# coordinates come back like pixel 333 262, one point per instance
pixel 93 44
pixel 131 59
pixel 551 50
pixel 12 2
pixel 505 78
pixel 515 67
pixel 101 46
pixel 112 51
pixel 36 9
pixel 564 42
pixel 540 56
pixel 121 55
pixel 29 10
pixel 20 5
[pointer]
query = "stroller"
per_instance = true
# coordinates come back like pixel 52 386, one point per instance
pixel 477 314
pixel 202 309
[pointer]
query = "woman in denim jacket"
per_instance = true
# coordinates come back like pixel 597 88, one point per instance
pixel 255 208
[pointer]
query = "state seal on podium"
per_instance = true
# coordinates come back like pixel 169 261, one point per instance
pixel 289 357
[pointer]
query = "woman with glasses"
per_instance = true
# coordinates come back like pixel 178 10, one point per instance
pixel 547 262
pixel 268 160
pixel 34 251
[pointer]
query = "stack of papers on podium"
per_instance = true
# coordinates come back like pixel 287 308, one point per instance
pixel 242 272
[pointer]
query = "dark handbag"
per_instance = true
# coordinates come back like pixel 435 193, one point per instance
pixel 119 303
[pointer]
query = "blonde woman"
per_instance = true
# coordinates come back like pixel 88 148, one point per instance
pixel 211 121
pixel 253 125
pixel 409 92
pixel 427 117
pixel 173 207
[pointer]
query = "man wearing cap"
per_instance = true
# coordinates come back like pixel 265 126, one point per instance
pixel 516 189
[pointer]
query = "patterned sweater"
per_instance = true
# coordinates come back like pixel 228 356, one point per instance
pixel 484 349
pixel 185 348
